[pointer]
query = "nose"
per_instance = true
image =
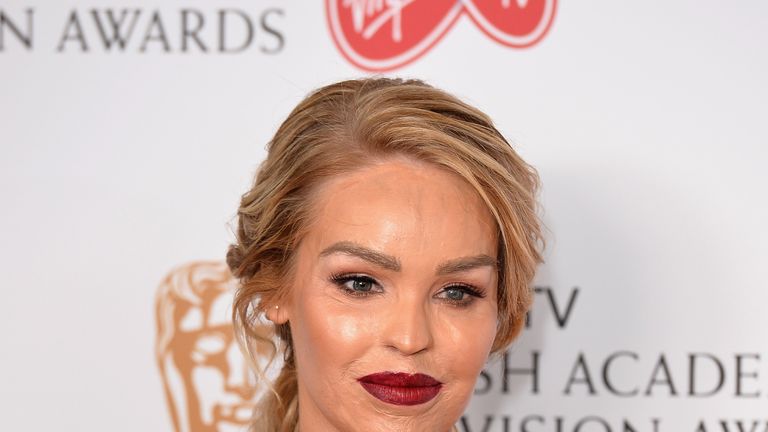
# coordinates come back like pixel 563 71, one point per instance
pixel 239 378
pixel 409 329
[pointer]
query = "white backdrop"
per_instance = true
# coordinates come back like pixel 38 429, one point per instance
pixel 646 120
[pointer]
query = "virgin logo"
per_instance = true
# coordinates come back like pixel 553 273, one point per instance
pixel 381 35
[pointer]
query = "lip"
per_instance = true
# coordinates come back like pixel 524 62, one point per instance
pixel 399 388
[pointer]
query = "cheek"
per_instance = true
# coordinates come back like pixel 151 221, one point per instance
pixel 470 339
pixel 330 338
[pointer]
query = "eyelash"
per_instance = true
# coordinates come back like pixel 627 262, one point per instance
pixel 342 279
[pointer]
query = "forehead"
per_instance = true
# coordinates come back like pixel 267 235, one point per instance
pixel 406 208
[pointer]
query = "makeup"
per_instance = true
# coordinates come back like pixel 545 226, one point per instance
pixel 395 275
pixel 400 388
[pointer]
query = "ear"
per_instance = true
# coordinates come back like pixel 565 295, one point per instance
pixel 277 313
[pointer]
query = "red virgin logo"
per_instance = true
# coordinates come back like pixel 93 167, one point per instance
pixel 381 35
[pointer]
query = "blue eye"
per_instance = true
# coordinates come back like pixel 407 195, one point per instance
pixel 460 295
pixel 361 284
pixel 455 293
pixel 355 285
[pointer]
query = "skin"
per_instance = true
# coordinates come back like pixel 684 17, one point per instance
pixel 414 315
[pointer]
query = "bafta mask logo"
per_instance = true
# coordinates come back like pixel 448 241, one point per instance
pixel 207 383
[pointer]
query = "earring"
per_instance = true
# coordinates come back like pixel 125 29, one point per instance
pixel 277 310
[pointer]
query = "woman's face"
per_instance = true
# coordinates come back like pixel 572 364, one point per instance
pixel 393 302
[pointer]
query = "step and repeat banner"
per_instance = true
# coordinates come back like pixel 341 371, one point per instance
pixel 129 129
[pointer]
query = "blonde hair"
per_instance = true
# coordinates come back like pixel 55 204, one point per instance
pixel 340 128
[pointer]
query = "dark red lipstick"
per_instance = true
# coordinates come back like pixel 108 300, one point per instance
pixel 400 388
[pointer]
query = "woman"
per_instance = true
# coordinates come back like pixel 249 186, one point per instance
pixel 391 236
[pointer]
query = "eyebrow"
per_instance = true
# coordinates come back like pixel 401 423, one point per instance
pixel 349 248
pixel 391 263
pixel 466 263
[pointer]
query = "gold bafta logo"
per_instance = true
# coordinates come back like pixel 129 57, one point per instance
pixel 206 381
